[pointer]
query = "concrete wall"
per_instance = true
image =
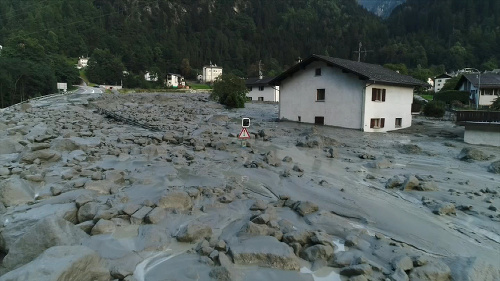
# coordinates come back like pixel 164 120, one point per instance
pixel 343 96
pixel 397 104
pixel 480 134
pixel 210 73
pixel 269 93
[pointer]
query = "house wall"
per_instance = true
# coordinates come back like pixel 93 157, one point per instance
pixel 269 93
pixel 343 96
pixel 397 104
pixel 210 73
pixel 439 83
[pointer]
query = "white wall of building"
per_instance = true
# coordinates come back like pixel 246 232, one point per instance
pixel 397 104
pixel 439 83
pixel 210 73
pixel 476 134
pixel 268 93
pixel 343 96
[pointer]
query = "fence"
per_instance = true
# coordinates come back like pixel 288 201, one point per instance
pixel 478 116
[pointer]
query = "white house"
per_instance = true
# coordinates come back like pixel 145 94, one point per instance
pixel 439 81
pixel 210 72
pixel 82 62
pixel 259 89
pixel 151 77
pixel 487 83
pixel 338 92
pixel 174 80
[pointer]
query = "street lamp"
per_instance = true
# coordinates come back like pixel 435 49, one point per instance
pixel 478 91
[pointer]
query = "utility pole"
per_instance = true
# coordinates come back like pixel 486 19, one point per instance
pixel 359 51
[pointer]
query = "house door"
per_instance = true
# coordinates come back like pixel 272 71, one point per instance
pixel 319 120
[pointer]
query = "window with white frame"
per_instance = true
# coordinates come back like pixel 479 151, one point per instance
pixel 399 122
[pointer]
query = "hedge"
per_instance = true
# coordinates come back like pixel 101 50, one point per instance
pixel 449 96
pixel 434 109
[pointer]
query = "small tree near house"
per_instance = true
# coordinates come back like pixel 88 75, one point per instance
pixel 230 90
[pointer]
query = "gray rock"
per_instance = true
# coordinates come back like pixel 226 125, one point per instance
pixel 310 141
pixel 193 232
pixel 271 159
pixel 358 269
pixel 45 155
pixel 296 168
pixel 403 262
pixel 253 229
pixel 139 215
pixel 101 186
pixel 346 258
pixel 86 226
pixel 176 200
pixel 358 278
pixel 4 171
pixel 287 159
pixel 15 191
pixel 48 232
pixel 317 252
pixel 434 271
pixel 285 226
pixel 10 146
pixel 131 208
pixel 39 146
pixel 427 186
pixel 62 263
pixel 494 167
pixel 409 149
pixel 298 236
pixel 380 164
pixel 261 219
pixel 83 199
pixel 445 209
pixel 410 183
pixel 103 227
pixel 306 207
pixel 259 205
pixel 264 251
pixel 87 211
pixel 399 275
pixel 156 215
pixel 471 154
pixel 394 182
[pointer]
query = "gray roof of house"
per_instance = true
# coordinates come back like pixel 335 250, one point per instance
pixel 256 81
pixel 488 80
pixel 371 72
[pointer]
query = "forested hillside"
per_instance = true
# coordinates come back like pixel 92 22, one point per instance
pixel 47 36
pixel 381 8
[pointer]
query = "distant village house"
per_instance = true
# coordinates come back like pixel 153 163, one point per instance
pixel 151 77
pixel 82 62
pixel 210 72
pixel 349 94
pixel 440 80
pixel 175 80
pixel 485 87
pixel 259 89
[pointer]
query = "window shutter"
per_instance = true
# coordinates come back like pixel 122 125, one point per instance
pixel 383 95
pixel 374 94
pixel 382 122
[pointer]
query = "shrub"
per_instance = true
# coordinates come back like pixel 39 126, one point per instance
pixel 496 104
pixel 449 96
pixel 434 109
pixel 230 90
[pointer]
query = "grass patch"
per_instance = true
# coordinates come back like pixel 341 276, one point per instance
pixel 200 86
pixel 428 97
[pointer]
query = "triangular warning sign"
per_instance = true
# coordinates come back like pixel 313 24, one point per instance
pixel 244 134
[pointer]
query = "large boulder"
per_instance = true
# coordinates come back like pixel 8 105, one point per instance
pixel 45 155
pixel 62 263
pixel 193 232
pixel 264 251
pixel 10 146
pixel 48 232
pixel 435 271
pixel 471 154
pixel 176 200
pixel 15 191
pixel 317 252
pixel 306 207
pixel 494 167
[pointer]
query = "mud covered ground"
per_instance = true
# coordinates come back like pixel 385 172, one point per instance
pixel 165 191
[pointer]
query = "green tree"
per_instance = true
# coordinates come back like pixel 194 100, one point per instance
pixel 230 90
pixel 185 68
pixel 451 83
pixel 104 68
pixel 496 104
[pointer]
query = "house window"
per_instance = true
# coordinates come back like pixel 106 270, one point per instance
pixel 319 120
pixel 299 118
pixel 318 72
pixel 399 122
pixel 377 123
pixel 249 98
pixel 378 94
pixel 261 88
pixel 320 95
pixel 261 98
pixel 249 88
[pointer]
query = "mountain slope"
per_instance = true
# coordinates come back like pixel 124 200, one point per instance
pixel 381 8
